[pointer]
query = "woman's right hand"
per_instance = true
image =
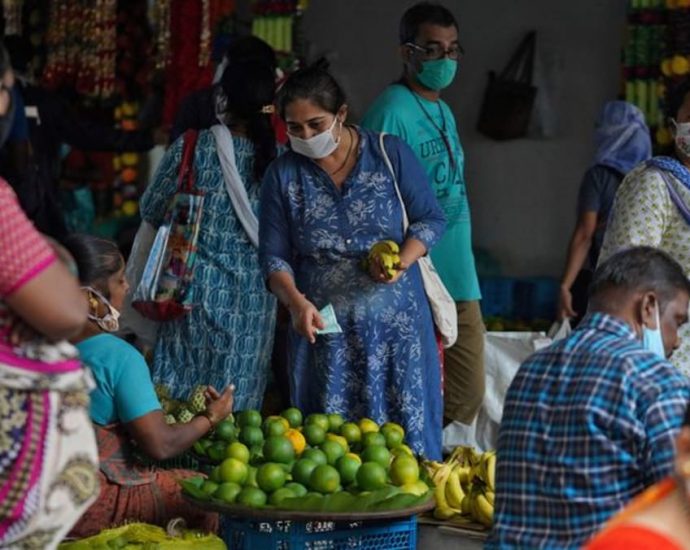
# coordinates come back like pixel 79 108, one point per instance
pixel 565 305
pixel 219 405
pixel 306 319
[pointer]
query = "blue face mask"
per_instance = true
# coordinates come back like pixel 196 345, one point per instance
pixel 437 73
pixel 652 340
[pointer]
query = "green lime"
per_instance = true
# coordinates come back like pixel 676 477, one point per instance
pixel 237 450
pixel 209 487
pixel 371 476
pixel 225 430
pixel 377 453
pixel 373 438
pixel 320 420
pixel 227 492
pixel 249 417
pixel 333 451
pixel 270 477
pixel 302 470
pixel 252 496
pixel 404 470
pixel 274 428
pixel 315 455
pixel 347 468
pixel 314 434
pixel 232 470
pixel 216 451
pixel 294 416
pixel 351 432
pixel 279 449
pixel 297 488
pixel 324 479
pixel 280 495
pixel 394 438
pixel 335 422
pixel 251 436
pixel 215 474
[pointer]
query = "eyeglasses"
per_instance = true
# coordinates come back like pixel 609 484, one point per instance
pixel 436 51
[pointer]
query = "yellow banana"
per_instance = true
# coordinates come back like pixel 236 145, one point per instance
pixel 466 506
pixel 464 475
pixel 454 492
pixel 490 471
pixel 443 510
pixel 484 510
pixel 392 246
pixel 491 497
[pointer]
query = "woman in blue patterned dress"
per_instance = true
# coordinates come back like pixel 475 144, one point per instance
pixel 229 333
pixel 323 205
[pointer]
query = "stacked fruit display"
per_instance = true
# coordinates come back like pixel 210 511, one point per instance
pixel 322 464
pixel 465 486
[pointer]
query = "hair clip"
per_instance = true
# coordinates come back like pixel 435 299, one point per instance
pixel 267 109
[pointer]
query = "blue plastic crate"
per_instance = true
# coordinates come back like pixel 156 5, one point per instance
pixel 497 296
pixel 241 534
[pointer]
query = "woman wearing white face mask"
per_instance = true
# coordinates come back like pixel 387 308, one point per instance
pixel 124 407
pixel 323 205
pixel 652 205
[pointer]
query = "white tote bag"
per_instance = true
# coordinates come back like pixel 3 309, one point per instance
pixel 443 308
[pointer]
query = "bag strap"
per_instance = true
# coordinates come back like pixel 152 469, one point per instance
pixel 406 221
pixel 521 64
pixel 187 177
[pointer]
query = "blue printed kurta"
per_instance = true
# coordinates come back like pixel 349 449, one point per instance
pixel 385 363
pixel 228 336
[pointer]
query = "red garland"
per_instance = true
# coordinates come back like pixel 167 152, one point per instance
pixel 183 74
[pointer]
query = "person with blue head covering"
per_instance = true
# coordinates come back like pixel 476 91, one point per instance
pixel 622 141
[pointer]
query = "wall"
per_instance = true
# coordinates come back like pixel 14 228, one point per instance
pixel 522 193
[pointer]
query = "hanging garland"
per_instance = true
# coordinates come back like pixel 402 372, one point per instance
pixel 81 46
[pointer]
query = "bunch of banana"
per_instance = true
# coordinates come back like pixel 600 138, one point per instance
pixel 465 486
pixel 387 254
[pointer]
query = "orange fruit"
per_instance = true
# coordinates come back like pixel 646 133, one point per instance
pixel 371 476
pixel 404 470
pixel 324 479
pixel 233 470
pixel 270 477
pixel 377 453
pixel 351 432
pixel 297 439
pixel 293 415
pixel 279 449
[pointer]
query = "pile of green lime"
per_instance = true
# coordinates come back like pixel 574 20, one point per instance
pixel 318 463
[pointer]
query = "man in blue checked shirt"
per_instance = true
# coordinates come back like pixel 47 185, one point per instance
pixel 590 421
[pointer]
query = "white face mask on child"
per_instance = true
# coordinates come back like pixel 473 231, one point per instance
pixel 110 321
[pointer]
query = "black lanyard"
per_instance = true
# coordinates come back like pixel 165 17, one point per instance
pixel 441 129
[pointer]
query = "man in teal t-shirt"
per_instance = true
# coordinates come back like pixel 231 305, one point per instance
pixel 412 109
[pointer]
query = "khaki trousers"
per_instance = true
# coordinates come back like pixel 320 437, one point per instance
pixel 464 366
